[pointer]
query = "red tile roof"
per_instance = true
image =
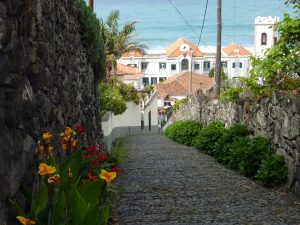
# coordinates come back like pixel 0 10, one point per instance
pixel 128 72
pixel 235 50
pixel 174 50
pixel 132 54
pixel 178 85
pixel 124 69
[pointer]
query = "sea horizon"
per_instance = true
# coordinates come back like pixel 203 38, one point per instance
pixel 159 24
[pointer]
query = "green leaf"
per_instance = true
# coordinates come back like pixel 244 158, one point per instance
pixel 27 193
pixel 60 205
pixel 74 162
pixel 91 191
pixel 78 208
pixel 40 201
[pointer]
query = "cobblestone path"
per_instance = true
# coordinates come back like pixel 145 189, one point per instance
pixel 164 183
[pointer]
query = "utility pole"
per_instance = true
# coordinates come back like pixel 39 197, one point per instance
pixel 218 56
pixel 191 74
pixel 91 5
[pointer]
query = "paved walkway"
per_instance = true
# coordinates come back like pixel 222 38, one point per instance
pixel 164 183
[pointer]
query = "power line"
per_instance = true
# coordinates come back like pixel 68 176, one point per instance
pixel 204 17
pixel 187 23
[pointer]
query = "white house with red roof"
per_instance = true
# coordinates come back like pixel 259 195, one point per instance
pixel 182 56
pixel 178 87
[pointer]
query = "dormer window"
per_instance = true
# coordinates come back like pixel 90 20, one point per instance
pixel 263 39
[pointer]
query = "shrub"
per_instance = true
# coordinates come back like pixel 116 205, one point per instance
pixel 221 150
pixel 180 103
pixel 272 171
pixel 92 38
pixel 208 136
pixel 231 94
pixel 183 132
pixel 245 154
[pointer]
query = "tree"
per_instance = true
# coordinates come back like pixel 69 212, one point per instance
pixel 118 42
pixel 279 69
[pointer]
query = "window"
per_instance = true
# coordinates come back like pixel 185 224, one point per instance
pixel 161 79
pixel 132 65
pixel 184 64
pixel 275 40
pixel 173 66
pixel 145 80
pixel 206 66
pixel 144 65
pixel 153 80
pixel 196 66
pixel 263 39
pixel 237 65
pixel 162 66
pixel 224 64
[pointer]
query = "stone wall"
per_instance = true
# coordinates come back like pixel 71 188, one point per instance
pixel 277 117
pixel 46 83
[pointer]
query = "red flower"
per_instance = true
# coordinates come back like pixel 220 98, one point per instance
pixel 94 163
pixel 80 129
pixel 90 149
pixel 91 177
pixel 102 156
pixel 116 169
pixel 86 156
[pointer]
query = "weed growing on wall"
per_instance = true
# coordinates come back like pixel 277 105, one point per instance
pixel 93 41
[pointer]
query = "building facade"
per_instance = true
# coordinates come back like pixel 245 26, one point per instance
pixel 265 35
pixel 182 56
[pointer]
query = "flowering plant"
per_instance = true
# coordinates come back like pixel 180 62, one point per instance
pixel 72 191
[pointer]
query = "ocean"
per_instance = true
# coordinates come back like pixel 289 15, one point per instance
pixel 159 24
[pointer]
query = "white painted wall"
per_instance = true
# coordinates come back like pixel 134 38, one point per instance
pixel 264 25
pixel 123 125
pixel 151 106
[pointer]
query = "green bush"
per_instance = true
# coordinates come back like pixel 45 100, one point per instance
pixel 221 150
pixel 91 35
pixel 252 157
pixel 183 132
pixel 180 103
pixel 245 154
pixel 272 171
pixel 231 94
pixel 208 136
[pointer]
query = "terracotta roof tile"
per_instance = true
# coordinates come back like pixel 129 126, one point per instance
pixel 124 69
pixel 132 54
pixel 178 85
pixel 235 50
pixel 174 50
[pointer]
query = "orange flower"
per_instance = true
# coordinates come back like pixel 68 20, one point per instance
pixel 25 221
pixel 47 136
pixel 107 176
pixel 54 179
pixel 69 131
pixel 64 147
pixel 74 144
pixel 40 147
pixel 45 169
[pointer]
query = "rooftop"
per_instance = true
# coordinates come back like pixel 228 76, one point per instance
pixel 178 85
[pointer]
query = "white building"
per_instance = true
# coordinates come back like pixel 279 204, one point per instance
pixel 182 56
pixel 265 35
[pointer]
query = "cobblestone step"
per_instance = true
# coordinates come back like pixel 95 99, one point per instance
pixel 165 183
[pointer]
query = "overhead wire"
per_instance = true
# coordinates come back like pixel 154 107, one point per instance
pixel 191 27
pixel 204 18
